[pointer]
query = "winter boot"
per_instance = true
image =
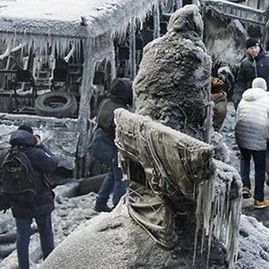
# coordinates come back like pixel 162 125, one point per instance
pixel 261 204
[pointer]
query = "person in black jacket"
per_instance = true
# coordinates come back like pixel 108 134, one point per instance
pixel 255 64
pixel 120 97
pixel 43 204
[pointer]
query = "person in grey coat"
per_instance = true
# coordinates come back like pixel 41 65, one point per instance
pixel 251 134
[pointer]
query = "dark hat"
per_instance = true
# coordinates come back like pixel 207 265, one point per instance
pixel 251 42
pixel 26 127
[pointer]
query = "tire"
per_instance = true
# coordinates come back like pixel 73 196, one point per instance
pixel 56 104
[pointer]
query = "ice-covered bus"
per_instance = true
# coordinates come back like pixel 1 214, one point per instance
pixel 58 57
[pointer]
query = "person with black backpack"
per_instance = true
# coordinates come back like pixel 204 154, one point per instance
pixel 29 196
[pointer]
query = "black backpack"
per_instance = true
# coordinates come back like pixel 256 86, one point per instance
pixel 17 181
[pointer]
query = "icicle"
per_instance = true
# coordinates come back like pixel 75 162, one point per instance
pixel 132 45
pixel 76 55
pixel 156 18
pixel 217 214
pixel 198 219
pixel 209 244
pixel 204 215
pixel 113 65
pixel 178 4
pixel 233 223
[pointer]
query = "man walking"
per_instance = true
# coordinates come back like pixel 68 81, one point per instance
pixel 255 64
pixel 251 134
pixel 120 97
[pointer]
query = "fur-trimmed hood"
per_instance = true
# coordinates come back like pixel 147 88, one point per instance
pixel 121 91
pixel 22 138
pixel 254 94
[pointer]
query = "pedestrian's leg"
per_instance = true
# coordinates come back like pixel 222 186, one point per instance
pixel 104 193
pixel 245 167
pixel 46 234
pixel 119 186
pixel 267 165
pixel 259 162
pixel 119 191
pixel 23 238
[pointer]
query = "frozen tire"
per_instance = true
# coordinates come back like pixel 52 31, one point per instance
pixel 56 104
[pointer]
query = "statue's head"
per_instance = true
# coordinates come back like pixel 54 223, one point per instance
pixel 187 20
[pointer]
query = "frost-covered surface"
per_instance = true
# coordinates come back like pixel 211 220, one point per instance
pixel 107 241
pixel 106 236
pixel 77 250
pixel 115 241
pixel 135 248
pixel 253 237
pixel 174 92
pixel 53 17
pixel 167 87
pixel 221 150
pixel 253 245
pixel 219 199
pixel 224 40
pixel 228 135
pixel 60 142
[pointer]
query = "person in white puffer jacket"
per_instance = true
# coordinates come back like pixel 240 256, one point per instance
pixel 251 134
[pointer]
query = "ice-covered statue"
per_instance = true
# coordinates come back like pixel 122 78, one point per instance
pixel 182 206
pixel 173 82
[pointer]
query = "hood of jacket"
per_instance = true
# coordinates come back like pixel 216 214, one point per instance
pixel 22 138
pixel 254 94
pixel 121 91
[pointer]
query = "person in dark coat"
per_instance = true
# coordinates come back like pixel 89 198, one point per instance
pixel 120 97
pixel 255 64
pixel 43 203
pixel 219 97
